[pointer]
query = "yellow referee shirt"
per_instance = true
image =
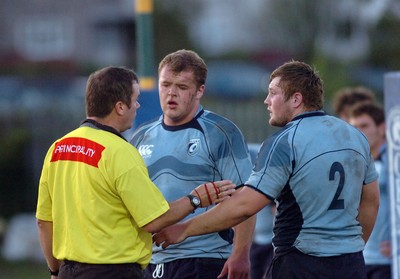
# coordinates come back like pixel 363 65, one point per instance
pixel 95 189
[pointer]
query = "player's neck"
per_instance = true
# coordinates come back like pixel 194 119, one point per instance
pixel 376 149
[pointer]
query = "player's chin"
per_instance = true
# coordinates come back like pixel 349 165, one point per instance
pixel 275 123
pixel 272 121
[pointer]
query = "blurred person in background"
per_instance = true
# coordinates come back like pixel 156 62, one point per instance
pixel 320 172
pixel 186 146
pixel 347 97
pixel 97 206
pixel 370 119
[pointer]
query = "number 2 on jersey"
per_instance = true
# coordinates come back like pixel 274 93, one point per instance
pixel 336 202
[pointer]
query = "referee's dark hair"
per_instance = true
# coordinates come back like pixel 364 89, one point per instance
pixel 108 86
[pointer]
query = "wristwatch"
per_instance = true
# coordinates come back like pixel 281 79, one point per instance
pixel 194 200
pixel 54 273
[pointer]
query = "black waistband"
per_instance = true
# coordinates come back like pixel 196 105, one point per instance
pixel 68 262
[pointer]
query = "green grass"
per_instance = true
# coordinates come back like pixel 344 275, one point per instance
pixel 23 270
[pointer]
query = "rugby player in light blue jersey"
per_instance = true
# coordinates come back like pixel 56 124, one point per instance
pixel 319 171
pixel 369 118
pixel 187 146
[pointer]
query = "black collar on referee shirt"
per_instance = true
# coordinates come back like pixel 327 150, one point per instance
pixel 91 122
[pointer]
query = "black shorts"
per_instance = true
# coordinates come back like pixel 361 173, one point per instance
pixel 297 265
pixel 191 268
pixel 379 271
pixel 76 270
pixel 260 259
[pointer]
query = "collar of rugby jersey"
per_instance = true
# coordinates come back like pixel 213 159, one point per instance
pixel 309 114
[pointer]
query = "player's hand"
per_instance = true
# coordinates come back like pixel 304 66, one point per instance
pixel 236 267
pixel 386 249
pixel 170 235
pixel 214 192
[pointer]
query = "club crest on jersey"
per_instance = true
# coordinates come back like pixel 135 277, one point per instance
pixel 193 146
pixel 146 150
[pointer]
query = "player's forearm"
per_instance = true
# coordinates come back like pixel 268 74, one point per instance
pixel 244 235
pixel 179 209
pixel 368 209
pixel 367 217
pixel 243 204
pixel 207 193
pixel 225 215
pixel 234 210
pixel 366 228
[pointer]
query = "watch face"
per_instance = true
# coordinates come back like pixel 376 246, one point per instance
pixel 196 201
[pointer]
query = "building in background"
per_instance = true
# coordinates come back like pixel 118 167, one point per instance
pixel 102 32
pixel 69 34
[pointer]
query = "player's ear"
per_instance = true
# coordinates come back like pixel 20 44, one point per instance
pixel 297 99
pixel 200 91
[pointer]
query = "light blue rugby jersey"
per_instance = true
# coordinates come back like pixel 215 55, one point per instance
pixel 179 158
pixel 381 231
pixel 315 168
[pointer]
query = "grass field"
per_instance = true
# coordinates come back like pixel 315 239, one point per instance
pixel 23 270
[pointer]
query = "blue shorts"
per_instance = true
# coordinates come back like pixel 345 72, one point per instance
pixel 297 265
pixel 191 268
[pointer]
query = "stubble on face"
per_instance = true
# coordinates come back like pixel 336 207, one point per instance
pixel 280 111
